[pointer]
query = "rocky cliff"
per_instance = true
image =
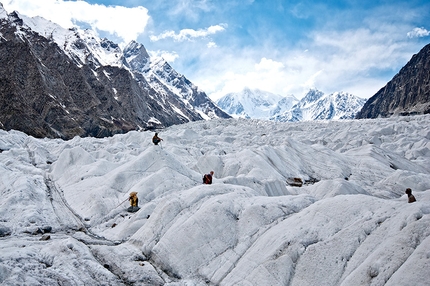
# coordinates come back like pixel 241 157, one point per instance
pixel 407 93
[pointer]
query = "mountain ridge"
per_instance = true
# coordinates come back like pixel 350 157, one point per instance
pixel 68 82
pixel 254 103
pixel 315 105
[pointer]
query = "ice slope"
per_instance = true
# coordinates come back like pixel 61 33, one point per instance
pixel 350 224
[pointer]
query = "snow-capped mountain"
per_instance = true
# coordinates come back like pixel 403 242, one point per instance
pixel 255 103
pixel 316 105
pixel 165 80
pixel 75 83
pixel 82 46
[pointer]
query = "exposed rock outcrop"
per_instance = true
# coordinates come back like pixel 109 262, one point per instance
pixel 406 94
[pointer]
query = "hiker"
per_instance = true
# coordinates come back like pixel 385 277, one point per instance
pixel 156 139
pixel 411 197
pixel 207 179
pixel 133 202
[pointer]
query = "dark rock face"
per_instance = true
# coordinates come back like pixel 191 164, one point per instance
pixel 406 94
pixel 43 93
pixel 46 93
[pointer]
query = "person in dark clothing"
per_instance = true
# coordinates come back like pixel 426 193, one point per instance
pixel 411 197
pixel 156 139
pixel 207 179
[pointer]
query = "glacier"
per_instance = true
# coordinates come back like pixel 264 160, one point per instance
pixel 64 219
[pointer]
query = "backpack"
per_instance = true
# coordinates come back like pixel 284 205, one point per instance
pixel 206 179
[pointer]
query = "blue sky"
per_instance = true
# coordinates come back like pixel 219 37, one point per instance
pixel 284 47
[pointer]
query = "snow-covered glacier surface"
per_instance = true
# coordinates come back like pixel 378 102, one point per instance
pixel 63 217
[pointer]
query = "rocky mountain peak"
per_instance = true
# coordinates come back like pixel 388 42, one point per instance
pixel 407 93
pixel 313 95
pixel 109 45
pixel 136 56
pixel 134 48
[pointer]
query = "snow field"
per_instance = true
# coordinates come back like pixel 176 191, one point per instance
pixel 349 224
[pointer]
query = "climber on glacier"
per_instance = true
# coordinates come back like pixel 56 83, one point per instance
pixel 133 202
pixel 156 139
pixel 411 197
pixel 207 179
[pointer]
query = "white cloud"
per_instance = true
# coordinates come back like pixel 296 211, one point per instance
pixel 123 22
pixel 268 64
pixel 310 83
pixel 418 33
pixel 267 74
pixel 189 9
pixel 168 56
pixel 350 61
pixel 188 34
pixel 211 45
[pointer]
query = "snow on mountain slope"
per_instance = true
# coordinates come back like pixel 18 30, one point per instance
pixel 349 224
pixel 315 105
pixel 255 104
pixel 167 81
pixel 319 106
pixel 82 45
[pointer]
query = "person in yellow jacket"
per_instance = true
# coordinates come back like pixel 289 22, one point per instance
pixel 134 201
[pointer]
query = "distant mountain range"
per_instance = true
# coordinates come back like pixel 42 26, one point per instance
pixel 315 105
pixel 407 93
pixel 255 104
pixel 57 82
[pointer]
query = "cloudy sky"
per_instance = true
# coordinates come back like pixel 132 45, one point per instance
pixel 280 46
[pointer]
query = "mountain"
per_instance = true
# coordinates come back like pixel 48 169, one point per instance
pixel 254 103
pixel 407 93
pixel 165 80
pixel 57 82
pixel 315 105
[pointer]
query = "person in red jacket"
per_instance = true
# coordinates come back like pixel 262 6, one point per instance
pixel 207 179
